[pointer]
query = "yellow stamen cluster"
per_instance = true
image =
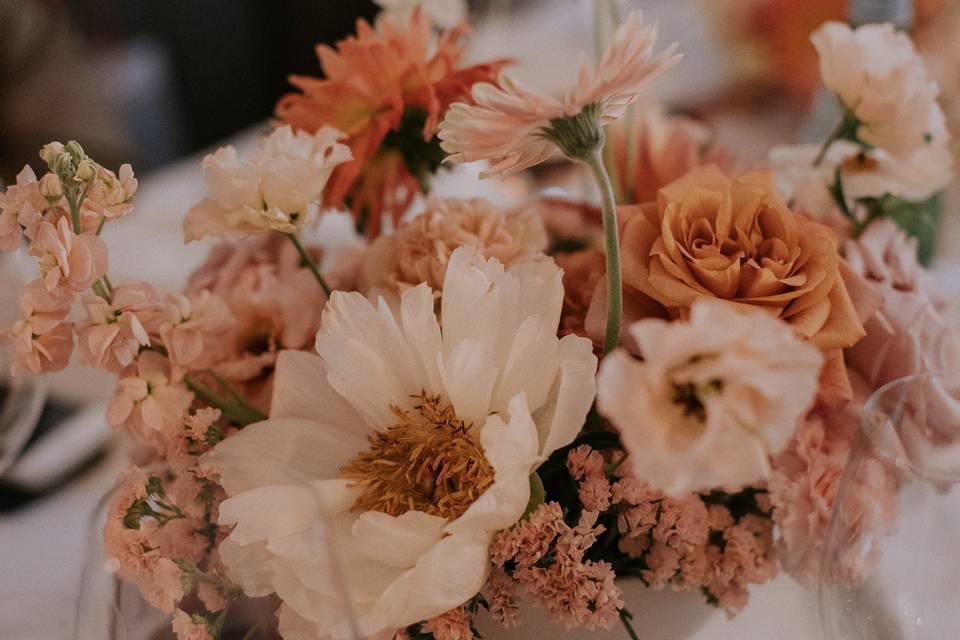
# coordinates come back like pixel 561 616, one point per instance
pixel 427 461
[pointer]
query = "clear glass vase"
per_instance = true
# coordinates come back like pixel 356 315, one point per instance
pixel 892 557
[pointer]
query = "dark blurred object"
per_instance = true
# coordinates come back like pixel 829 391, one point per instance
pixel 49 90
pixel 228 59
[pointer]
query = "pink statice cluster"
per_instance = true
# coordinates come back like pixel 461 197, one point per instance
pixel 546 557
pixel 718 543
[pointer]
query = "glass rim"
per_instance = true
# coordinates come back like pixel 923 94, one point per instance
pixel 871 429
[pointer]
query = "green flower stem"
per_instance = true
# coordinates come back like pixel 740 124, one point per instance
pixel 594 161
pixel 313 267
pixel 846 129
pixel 236 411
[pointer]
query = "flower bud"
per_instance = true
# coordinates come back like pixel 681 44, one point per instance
pixel 51 188
pixel 74 148
pixel 86 171
pixel 50 152
pixel 62 165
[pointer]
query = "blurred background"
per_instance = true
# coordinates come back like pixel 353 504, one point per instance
pixel 147 81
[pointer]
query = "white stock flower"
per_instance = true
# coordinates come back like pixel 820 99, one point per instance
pixel 712 399
pixel 275 189
pixel 405 445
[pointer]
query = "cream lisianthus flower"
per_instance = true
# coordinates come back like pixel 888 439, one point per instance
pixel 881 81
pixel 712 399
pixel 404 445
pixel 865 174
pixel 275 189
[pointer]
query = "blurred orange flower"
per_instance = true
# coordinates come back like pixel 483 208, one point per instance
pixel 379 83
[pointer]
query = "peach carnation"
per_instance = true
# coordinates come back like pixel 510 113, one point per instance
pixel 913 332
pixel 372 81
pixel 711 399
pixel 506 125
pixel 420 249
pixel 805 480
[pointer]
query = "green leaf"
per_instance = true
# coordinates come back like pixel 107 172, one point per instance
pixel 537 494
pixel 918 219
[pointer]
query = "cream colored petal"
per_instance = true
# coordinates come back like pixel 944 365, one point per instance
pixel 269 512
pixel 301 390
pixel 475 299
pixel 367 356
pixel 280 452
pixel 531 366
pixel 512 449
pixel 468 377
pixel 398 541
pixel 451 573
pixel 560 419
pixel 422 330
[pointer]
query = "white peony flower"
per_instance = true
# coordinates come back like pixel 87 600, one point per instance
pixel 865 174
pixel 405 444
pixel 274 190
pixel 877 74
pixel 712 397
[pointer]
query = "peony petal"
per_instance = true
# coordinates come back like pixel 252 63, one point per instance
pixel 512 448
pixel 282 451
pixel 301 390
pixel 563 414
pixel 451 573
pixel 398 541
pixel 268 512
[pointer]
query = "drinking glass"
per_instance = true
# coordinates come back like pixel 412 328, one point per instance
pixel 892 561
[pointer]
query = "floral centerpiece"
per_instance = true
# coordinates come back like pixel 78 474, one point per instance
pixel 394 438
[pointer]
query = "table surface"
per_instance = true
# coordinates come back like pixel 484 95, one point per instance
pixel 43 547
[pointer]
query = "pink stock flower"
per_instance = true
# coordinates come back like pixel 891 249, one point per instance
pixel 114 332
pixel 110 195
pixel 67 259
pixel 42 340
pixel 21 206
pixel 506 124
pixel 192 328
pixel 149 401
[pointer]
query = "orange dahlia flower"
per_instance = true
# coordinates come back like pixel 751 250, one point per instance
pixel 386 89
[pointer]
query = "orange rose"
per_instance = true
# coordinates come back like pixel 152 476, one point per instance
pixel 712 237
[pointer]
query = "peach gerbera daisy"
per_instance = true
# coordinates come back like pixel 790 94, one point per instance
pixel 385 79
pixel 511 125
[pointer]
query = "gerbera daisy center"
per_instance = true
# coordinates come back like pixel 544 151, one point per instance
pixel 427 462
